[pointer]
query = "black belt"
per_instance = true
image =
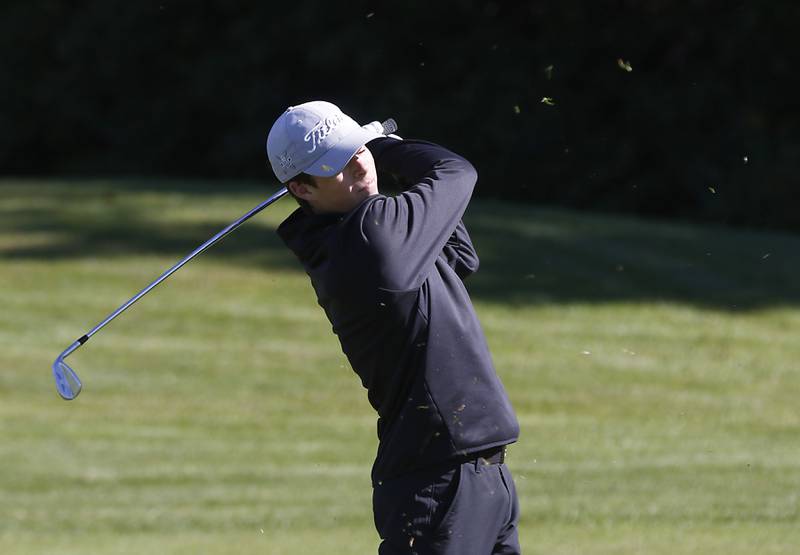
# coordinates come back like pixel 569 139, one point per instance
pixel 493 455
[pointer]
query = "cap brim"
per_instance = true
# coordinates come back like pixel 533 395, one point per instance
pixel 334 161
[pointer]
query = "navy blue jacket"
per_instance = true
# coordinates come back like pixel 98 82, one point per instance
pixel 389 276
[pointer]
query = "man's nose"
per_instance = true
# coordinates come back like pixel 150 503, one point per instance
pixel 355 159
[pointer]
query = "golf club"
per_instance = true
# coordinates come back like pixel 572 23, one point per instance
pixel 67 382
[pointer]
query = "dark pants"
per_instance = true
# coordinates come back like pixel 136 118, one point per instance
pixel 468 509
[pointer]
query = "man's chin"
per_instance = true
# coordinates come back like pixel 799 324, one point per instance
pixel 367 187
pixel 371 184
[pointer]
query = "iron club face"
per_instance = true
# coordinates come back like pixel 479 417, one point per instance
pixel 67 382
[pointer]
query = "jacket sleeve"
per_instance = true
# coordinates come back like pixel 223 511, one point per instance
pixel 460 254
pixel 408 232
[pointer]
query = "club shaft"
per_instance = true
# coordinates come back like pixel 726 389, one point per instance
pixel 177 267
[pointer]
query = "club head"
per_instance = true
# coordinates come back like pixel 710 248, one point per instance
pixel 67 382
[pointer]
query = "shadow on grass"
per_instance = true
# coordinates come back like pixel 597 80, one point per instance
pixel 531 255
pixel 107 219
pixel 528 254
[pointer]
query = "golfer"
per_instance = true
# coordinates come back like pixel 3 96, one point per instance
pixel 389 271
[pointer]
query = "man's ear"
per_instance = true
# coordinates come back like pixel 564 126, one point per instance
pixel 300 190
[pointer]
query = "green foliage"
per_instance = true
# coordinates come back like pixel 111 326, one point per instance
pixel 219 415
pixel 653 104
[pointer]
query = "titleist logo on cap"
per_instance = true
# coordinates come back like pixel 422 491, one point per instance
pixel 322 130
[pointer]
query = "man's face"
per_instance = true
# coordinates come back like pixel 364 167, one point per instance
pixel 344 191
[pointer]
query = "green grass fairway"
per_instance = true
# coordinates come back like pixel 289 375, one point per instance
pixel 654 368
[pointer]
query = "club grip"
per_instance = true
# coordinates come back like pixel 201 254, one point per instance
pixel 389 126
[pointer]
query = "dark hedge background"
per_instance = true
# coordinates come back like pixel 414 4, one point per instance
pixel 705 125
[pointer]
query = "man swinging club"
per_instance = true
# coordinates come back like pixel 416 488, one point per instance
pixel 388 272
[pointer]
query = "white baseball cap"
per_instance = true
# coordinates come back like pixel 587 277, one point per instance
pixel 316 138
